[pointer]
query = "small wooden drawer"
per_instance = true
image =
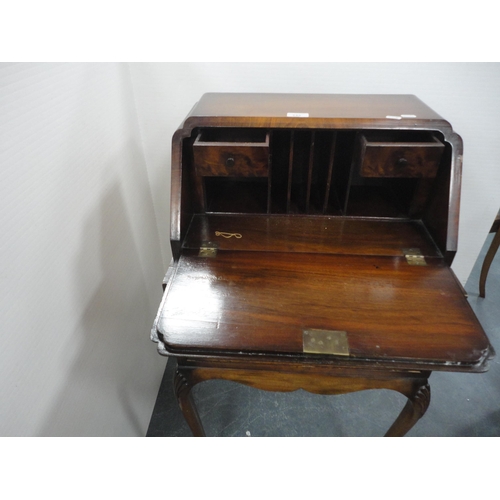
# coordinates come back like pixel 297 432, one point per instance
pixel 411 155
pixel 232 153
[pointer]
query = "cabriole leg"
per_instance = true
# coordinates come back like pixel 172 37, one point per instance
pixel 182 388
pixel 417 405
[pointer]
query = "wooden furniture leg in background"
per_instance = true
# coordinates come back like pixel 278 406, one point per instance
pixel 490 255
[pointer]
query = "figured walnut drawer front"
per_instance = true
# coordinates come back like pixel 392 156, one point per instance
pixel 232 156
pixel 419 156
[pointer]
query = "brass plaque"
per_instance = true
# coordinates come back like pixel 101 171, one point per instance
pixel 414 257
pixel 326 342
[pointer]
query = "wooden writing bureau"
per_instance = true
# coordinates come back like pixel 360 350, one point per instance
pixel 312 238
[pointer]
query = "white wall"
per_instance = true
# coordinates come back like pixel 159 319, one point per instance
pixel 81 271
pixel 467 95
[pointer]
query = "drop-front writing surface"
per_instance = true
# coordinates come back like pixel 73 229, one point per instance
pixel 389 310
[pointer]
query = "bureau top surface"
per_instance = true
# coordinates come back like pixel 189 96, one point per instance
pixel 390 108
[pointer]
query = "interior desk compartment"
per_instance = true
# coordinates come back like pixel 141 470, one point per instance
pixel 399 154
pixel 232 153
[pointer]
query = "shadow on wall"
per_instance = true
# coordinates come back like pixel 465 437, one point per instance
pixel 112 382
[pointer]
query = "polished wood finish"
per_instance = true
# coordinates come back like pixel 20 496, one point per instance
pixel 305 234
pixel 243 302
pixel 391 156
pixel 232 156
pixel 325 112
pixel 256 110
pixel 418 402
pixel 299 213
pixel 316 379
pixel 490 255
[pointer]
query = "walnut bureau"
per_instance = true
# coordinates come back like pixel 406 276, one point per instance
pixel 312 238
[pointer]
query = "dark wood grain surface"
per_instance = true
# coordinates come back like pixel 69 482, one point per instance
pixel 310 234
pixel 348 112
pixel 396 159
pixel 232 160
pixel 331 106
pixel 309 229
pixel 389 309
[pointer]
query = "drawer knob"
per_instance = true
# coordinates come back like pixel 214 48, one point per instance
pixel 230 162
pixel 402 162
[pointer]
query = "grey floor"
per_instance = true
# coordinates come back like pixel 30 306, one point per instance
pixel 461 404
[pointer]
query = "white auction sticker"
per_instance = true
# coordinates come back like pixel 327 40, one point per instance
pixel 298 115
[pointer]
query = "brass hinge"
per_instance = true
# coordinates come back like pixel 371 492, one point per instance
pixel 208 249
pixel 325 342
pixel 414 257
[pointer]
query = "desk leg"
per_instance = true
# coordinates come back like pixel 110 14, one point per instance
pixel 415 388
pixel 490 255
pixel 182 387
pixel 418 402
